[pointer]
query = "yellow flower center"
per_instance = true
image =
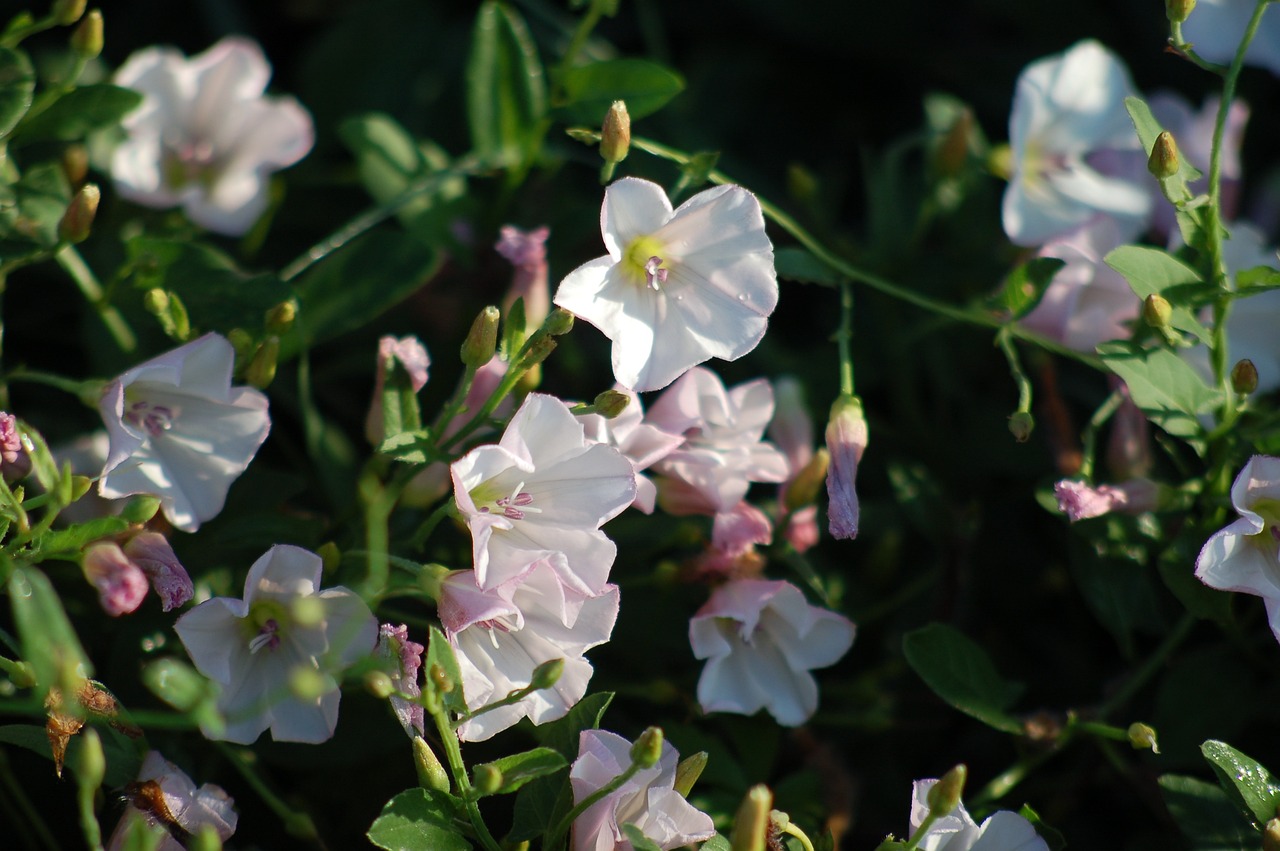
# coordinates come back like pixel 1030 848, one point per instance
pixel 642 262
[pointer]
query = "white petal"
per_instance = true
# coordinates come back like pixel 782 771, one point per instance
pixel 210 633
pixel 1008 831
pixel 632 208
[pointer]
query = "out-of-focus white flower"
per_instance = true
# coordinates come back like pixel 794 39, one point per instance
pixel 205 138
pixel 164 796
pixel 151 552
pixel 1068 110
pixel 121 584
pixel 406 659
pixel 542 493
pixel 501 635
pixel 284 625
pixel 648 799
pixel 1215 27
pixel 181 432
pixel 643 444
pixel 1245 555
pixel 410 354
pixel 760 639
pixel 723 452
pixel 677 287
pixel 957 831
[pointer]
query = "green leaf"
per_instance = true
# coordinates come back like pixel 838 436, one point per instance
pixel 73 540
pixel 638 840
pixel 49 642
pixel 1191 221
pixel 409 447
pixel 519 769
pixel 1167 388
pixel 1024 286
pixel 506 92
pixel 439 652
pixel 17 86
pixel 716 843
pixel 1249 786
pixel 36 204
pixel 591 89
pixel 514 326
pixel 962 674
pixel 1258 279
pixel 1205 815
pixel 562 734
pixel 798 264
pixel 418 820
pixel 79 112
pixel 1151 271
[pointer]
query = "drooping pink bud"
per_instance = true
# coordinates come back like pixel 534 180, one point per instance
pixel 1080 501
pixel 527 251
pixel 846 440
pixel 121 584
pixel 14 463
pixel 410 354
pixel 151 552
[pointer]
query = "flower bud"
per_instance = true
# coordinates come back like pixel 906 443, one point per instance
pixel 1244 377
pixel 1143 737
pixel 1156 311
pixel 152 553
pixel 547 674
pixel 482 339
pixel 1178 11
pixel 242 341
pixel 279 319
pixel 647 750
pixel 78 219
pixel 1271 835
pixel 176 683
pixel 91 766
pixel 688 772
pixel 751 823
pixel 80 486
pixel 615 136
pixel 86 39
pixel 538 349
pixel 1021 424
pixel 75 164
pixel 378 684
pixel 140 509
pixel 67 12
pixel 262 369
pixel 330 556
pixel 952 153
pixel 558 323
pixel 944 796
pixel 846 438
pixel 610 403
pixel 1163 162
pixel 121 584
pixel 803 489
pixel 486 778
pixel 431 774
pixel 440 679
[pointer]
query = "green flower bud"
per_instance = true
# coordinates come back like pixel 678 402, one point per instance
pixel 944 796
pixel 279 319
pixel 1021 425
pixel 378 684
pixel 809 481
pixel 547 674
pixel 80 486
pixel 1271 836
pixel 1143 737
pixel 486 778
pixel 242 341
pixel 751 824
pixel 688 772
pixel 539 348
pixel 440 679
pixel 1178 11
pixel 647 749
pixel 140 509
pixel 615 136
pixel 482 339
pixel 1156 311
pixel 431 774
pixel 330 556
pixel 67 12
pixel 1163 162
pixel 86 39
pixel 92 764
pixel 307 683
pixel 75 163
pixel 262 369
pixel 78 219
pixel 610 403
pixel 176 683
pixel 1244 377
pixel 558 322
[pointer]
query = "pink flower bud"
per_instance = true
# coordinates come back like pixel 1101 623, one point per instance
pixel 151 552
pixel 121 584
pixel 846 440
pixel 1079 501
pixel 527 251
pixel 14 463
pixel 411 355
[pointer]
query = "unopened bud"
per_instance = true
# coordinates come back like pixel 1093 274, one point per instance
pixel 486 778
pixel 1143 737
pixel 67 12
pixel 538 349
pixel 441 679
pixel 80 486
pixel 610 403
pixel 378 684
pixel 547 674
pixel 1021 425
pixel 944 796
pixel 242 341
pixel 431 774
pixel 751 824
pixel 1244 377
pixel 1178 11
pixel 804 488
pixel 92 763
pixel 1156 311
pixel 75 163
pixel 78 219
pixel 1163 162
pixel 86 39
pixel 140 509
pixel 558 322
pixel 262 369
pixel 647 750
pixel 279 319
pixel 1271 836
pixel 615 136
pixel 482 339
pixel 954 149
pixel 330 556
pixel 688 772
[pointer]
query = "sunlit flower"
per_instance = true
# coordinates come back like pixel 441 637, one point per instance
pixel 151 552
pixel 181 432
pixel 647 800
pixel 284 626
pixel 501 635
pixel 406 660
pixel 164 796
pixel 205 138
pixel 121 584
pixel 643 444
pixel 957 831
pixel 411 356
pixel 677 287
pixel 760 639
pixel 1245 555
pixel 542 493
pixel 1068 112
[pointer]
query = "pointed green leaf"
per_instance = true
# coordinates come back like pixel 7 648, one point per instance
pixel 1151 271
pixel 1167 388
pixel 17 85
pixel 1191 219
pixel 962 674
pixel 49 642
pixel 79 112
pixel 645 86
pixel 519 769
pixel 1205 815
pixel 506 92
pixel 1250 786
pixel 418 820
pixel 638 840
pixel 1025 285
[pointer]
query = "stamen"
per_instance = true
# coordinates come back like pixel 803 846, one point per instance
pixel 654 273
pixel 266 637
pixel 153 419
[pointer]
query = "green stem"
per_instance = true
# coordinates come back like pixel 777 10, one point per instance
pixel 512 698
pixel 1089 438
pixel 429 525
pixel 1005 340
pixel 297 823
pixel 792 830
pixel 15 37
pixel 1179 44
pixel 914 841
pixel 844 338
pixel 73 264
pixel 453 753
pixel 580 35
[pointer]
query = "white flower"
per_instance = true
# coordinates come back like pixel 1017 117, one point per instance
pixel 677 287
pixel 1067 110
pixel 648 800
pixel 283 626
pixel 181 432
pixel 957 831
pixel 643 444
pixel 163 795
pixel 205 138
pixel 501 635
pixel 760 639
pixel 1215 27
pixel 542 493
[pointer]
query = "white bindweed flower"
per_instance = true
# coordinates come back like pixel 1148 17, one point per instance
pixel 285 630
pixel 1215 28
pixel 760 639
pixel 647 800
pixel 677 287
pixel 1068 114
pixel 542 493
pixel 957 831
pixel 181 432
pixel 500 636
pixel 205 137
pixel 164 796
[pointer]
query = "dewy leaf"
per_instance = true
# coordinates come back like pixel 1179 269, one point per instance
pixel 1167 388
pixel 49 642
pixel 1150 271
pixel 962 674
pixel 519 769
pixel 506 92
pixel 79 112
pixel 1025 285
pixel 17 85
pixel 1250 786
pixel 645 86
pixel 417 820
pixel 1205 815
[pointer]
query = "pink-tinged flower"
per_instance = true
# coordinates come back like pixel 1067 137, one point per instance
pixel 160 784
pixel 1214 30
pixel 1068 118
pixel 121 584
pixel 801 530
pixel 283 626
pixel 181 432
pixel 412 356
pixel 677 287
pixel 527 251
pixel 957 831
pixel 151 552
pixel 1080 501
pixel 760 639
pixel 723 452
pixel 734 536
pixel 1087 302
pixel 14 463
pixel 648 799
pixel 405 657
pixel 542 493
pixel 846 441
pixel 205 138
pixel 643 444
pixel 1194 134
pixel 501 635
pixel 1245 555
